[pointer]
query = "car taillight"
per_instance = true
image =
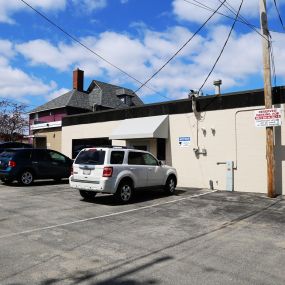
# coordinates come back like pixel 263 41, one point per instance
pixel 11 163
pixel 71 170
pixel 107 171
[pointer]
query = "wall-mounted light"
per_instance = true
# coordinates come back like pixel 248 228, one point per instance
pixel 204 131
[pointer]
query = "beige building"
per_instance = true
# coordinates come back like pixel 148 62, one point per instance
pixel 212 141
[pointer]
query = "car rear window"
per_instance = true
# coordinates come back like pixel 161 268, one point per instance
pixel 91 156
pixel 8 153
pixel 117 157
pixel 25 154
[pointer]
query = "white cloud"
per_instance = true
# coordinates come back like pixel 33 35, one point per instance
pixel 89 6
pixel 41 52
pixel 240 61
pixel 189 12
pixel 56 93
pixel 278 49
pixel 63 57
pixel 8 8
pixel 6 49
pixel 16 84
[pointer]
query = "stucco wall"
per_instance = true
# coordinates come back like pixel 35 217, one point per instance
pixel 53 138
pixel 227 135
pixel 96 130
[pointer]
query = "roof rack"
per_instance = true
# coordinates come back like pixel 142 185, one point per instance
pixel 113 146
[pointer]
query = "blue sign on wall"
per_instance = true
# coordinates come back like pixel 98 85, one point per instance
pixel 184 141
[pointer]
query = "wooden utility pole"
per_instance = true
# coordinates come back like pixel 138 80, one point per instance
pixel 268 100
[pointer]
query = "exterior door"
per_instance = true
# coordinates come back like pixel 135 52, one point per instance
pixel 41 142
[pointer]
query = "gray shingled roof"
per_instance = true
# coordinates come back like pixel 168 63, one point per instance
pixel 72 98
pixel 98 93
pixel 110 98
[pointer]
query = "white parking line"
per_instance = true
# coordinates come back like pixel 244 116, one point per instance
pixel 103 216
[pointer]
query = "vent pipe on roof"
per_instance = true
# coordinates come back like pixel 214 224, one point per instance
pixel 217 84
pixel 78 79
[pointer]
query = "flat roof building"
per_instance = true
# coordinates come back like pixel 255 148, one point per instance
pixel 213 141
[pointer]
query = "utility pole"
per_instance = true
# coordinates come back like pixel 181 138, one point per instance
pixel 268 100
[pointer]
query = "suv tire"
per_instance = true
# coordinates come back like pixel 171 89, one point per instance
pixel 124 193
pixel 26 178
pixel 87 195
pixel 170 185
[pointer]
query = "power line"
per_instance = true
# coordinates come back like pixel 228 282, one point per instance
pixel 223 48
pixel 177 52
pixel 206 7
pixel 86 47
pixel 279 15
pixel 241 19
pixel 233 10
pixel 244 20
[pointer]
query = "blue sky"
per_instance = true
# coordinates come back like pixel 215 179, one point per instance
pixel 138 36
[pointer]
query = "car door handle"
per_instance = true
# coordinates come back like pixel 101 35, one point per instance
pixel 132 168
pixel 35 162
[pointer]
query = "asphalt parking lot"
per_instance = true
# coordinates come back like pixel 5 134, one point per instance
pixel 49 235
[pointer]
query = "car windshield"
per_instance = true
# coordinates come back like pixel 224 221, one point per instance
pixel 91 156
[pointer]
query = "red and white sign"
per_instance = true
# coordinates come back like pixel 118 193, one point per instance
pixel 268 118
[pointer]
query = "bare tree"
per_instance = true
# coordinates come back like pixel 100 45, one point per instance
pixel 13 120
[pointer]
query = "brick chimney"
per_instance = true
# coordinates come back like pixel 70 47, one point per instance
pixel 78 79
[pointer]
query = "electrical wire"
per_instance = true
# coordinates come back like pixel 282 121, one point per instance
pixel 244 20
pixel 240 19
pixel 269 40
pixel 89 49
pixel 223 48
pixel 279 15
pixel 178 51
pixel 204 6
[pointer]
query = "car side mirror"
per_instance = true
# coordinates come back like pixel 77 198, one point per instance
pixel 160 163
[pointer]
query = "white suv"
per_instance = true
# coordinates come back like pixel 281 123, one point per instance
pixel 119 171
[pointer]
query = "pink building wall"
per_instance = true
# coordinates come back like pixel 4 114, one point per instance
pixel 48 116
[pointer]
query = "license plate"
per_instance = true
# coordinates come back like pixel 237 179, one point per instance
pixel 86 171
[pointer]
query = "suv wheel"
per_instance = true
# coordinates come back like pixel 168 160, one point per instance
pixel 88 195
pixel 124 192
pixel 170 185
pixel 26 178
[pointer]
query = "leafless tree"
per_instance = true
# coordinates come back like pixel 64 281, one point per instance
pixel 13 120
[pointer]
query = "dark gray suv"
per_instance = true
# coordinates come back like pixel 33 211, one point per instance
pixel 27 164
